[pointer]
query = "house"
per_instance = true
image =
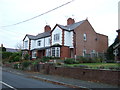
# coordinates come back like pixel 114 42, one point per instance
pixel 69 41
pixel 8 49
pixel 117 48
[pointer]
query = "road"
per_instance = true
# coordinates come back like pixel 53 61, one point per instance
pixel 14 81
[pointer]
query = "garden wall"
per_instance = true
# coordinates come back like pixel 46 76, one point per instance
pixel 104 76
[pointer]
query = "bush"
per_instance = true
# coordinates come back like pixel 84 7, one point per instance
pixel 25 64
pixel 6 55
pixel 26 56
pixel 35 62
pixel 69 61
pixel 16 66
pixel 17 58
pixel 82 59
pixel 45 59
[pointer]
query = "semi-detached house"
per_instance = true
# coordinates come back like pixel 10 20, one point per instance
pixel 69 41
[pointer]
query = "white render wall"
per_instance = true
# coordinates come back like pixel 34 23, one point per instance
pixel 47 41
pixel 33 44
pixel 42 43
pixel 57 30
pixel 68 38
pixel 26 39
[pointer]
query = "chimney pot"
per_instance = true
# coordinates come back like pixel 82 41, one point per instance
pixel 47 28
pixel 70 21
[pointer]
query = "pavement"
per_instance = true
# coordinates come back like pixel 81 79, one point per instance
pixel 69 82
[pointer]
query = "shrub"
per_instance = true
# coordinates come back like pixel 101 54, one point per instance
pixel 46 59
pixel 69 61
pixel 35 62
pixel 6 55
pixel 16 66
pixel 17 58
pixel 26 56
pixel 26 64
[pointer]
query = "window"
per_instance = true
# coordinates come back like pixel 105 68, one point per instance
pixel 49 41
pixel 85 37
pixel 56 51
pixel 39 43
pixel 53 51
pixel 33 54
pixel 26 44
pixel 47 52
pixel 84 52
pixel 56 37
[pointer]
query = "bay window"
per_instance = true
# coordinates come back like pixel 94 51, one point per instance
pixel 56 51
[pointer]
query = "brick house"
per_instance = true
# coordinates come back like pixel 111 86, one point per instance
pixel 69 41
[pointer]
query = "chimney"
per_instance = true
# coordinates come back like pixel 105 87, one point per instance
pixel 1 45
pixel 47 28
pixel 118 34
pixel 70 21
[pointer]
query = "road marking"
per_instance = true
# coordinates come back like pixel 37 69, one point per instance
pixel 8 85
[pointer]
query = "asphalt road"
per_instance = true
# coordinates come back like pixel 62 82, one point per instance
pixel 11 80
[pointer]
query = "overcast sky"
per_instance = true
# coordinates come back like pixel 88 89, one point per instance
pixel 102 14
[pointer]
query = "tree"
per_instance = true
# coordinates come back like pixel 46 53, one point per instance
pixel 19 46
pixel 109 55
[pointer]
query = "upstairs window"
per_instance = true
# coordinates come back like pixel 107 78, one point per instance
pixel 56 37
pixel 26 44
pixel 84 37
pixel 39 43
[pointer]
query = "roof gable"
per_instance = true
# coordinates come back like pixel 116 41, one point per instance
pixel 71 26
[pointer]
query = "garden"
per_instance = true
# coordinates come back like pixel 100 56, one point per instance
pixel 15 60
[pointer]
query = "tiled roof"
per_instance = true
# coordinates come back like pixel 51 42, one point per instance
pixel 31 36
pixel 41 35
pixel 11 50
pixel 71 26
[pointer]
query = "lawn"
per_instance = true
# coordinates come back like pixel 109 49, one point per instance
pixel 97 65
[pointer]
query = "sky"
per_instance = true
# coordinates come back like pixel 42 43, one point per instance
pixel 102 14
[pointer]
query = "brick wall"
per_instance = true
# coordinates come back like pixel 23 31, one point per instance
pixel 65 52
pixel 104 76
pixel 94 41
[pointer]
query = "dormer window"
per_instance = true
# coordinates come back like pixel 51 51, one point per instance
pixel 39 43
pixel 85 36
pixel 56 37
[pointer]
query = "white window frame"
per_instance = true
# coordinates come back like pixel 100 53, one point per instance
pixel 48 52
pixel 39 43
pixel 85 37
pixel 56 51
pixel 84 52
pixel 34 54
pixel 56 37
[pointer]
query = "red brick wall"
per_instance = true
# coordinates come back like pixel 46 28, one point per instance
pixel 102 43
pixel 91 43
pixel 64 52
pixel 104 76
pixel 47 28
pixel 70 21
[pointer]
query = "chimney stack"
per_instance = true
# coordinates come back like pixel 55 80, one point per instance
pixel 47 28
pixel 70 21
pixel 118 34
pixel 1 45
